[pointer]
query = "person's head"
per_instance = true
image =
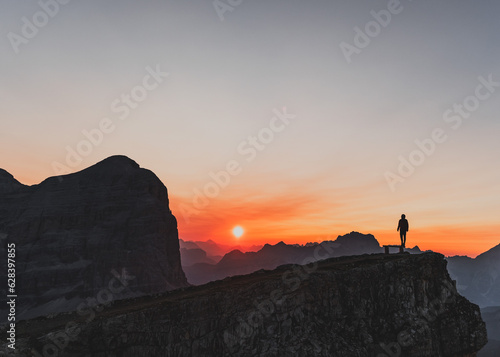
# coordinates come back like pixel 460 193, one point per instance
pixel 403 216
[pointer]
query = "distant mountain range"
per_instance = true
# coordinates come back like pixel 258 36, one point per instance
pixel 209 251
pixel 478 279
pixel 271 256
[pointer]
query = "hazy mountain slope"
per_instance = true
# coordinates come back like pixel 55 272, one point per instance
pixel 478 279
pixel 491 316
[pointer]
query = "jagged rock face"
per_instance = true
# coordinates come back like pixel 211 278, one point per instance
pixel 378 305
pixel 74 234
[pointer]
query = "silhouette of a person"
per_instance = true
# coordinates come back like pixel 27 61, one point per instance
pixel 403 227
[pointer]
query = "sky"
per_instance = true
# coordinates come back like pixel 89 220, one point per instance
pixel 298 121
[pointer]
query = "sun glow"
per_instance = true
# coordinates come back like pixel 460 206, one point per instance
pixel 238 231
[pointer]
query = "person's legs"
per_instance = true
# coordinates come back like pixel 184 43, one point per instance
pixel 403 239
pixel 401 235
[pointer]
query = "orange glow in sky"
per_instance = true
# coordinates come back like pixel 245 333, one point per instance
pixel 296 221
pixel 301 215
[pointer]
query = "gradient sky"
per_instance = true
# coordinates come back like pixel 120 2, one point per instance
pixel 325 173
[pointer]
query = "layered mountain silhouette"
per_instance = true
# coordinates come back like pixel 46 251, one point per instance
pixel 478 279
pixel 103 233
pixel 193 252
pixel 195 256
pixel 272 256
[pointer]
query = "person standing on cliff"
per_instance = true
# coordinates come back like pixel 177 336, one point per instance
pixel 403 227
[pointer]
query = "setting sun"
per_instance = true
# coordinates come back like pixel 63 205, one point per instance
pixel 238 231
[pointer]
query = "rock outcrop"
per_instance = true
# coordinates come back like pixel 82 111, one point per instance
pixel 370 305
pixel 89 234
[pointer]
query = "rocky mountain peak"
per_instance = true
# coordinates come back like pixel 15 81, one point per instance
pixel 115 164
pixel 8 183
pixel 75 233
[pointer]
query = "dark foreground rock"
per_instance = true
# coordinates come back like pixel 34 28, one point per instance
pixel 370 305
pixel 102 234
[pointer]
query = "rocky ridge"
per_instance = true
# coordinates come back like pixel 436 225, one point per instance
pixel 370 305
